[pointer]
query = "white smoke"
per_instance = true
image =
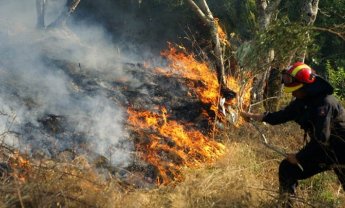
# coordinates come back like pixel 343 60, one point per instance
pixel 32 85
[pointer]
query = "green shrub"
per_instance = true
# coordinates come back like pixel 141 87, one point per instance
pixel 337 78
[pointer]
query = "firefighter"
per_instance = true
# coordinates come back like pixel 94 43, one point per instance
pixel 322 118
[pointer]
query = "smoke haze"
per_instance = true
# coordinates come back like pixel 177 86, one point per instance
pixel 34 83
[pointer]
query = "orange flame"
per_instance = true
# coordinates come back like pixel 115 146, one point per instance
pixel 203 81
pixel 243 96
pixel 21 166
pixel 243 92
pixel 171 145
pixel 222 35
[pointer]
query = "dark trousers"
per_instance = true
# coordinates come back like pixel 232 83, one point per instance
pixel 314 158
pixel 289 174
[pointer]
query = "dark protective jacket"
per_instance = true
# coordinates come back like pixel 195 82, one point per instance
pixel 322 117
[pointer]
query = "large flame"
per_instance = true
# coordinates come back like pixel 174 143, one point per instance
pixel 171 145
pixel 187 66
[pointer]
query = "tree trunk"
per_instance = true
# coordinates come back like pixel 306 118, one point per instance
pixel 273 89
pixel 218 55
pixel 40 10
pixel 266 9
pixel 309 11
pixel 308 14
pixel 206 16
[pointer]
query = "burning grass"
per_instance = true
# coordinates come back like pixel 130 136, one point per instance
pixel 244 176
pixel 231 169
pixel 171 146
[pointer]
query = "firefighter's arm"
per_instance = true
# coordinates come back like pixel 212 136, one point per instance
pixel 284 115
pixel 274 118
pixel 254 116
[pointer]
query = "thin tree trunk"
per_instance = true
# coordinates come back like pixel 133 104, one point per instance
pixel 308 13
pixel 218 55
pixel 274 85
pixel 266 9
pixel 40 10
pixel 273 89
pixel 206 16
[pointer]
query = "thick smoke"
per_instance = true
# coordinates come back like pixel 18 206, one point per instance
pixel 62 75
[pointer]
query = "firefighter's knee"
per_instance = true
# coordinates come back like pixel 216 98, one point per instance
pixel 285 169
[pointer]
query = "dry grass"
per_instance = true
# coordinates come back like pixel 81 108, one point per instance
pixel 246 176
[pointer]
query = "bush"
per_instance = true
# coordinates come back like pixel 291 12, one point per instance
pixel 337 78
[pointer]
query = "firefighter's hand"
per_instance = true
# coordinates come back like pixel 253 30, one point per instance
pixel 247 116
pixel 292 159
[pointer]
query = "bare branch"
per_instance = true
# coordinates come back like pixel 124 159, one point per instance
pixel 206 9
pixel 198 11
pixel 73 6
pixel 340 33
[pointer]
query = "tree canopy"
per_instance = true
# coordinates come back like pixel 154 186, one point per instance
pixel 151 23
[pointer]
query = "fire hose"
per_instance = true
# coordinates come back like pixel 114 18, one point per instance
pixel 264 140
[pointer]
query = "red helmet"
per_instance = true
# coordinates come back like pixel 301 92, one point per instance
pixel 296 75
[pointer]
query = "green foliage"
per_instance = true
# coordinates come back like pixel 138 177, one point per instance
pixel 283 36
pixel 337 79
pixel 332 12
pixel 330 47
pixel 291 8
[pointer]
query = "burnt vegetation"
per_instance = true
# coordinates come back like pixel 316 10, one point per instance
pixel 94 126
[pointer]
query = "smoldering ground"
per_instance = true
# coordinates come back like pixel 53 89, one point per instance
pixel 60 75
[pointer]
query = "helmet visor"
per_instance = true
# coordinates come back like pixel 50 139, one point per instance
pixel 290 83
pixel 287 79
